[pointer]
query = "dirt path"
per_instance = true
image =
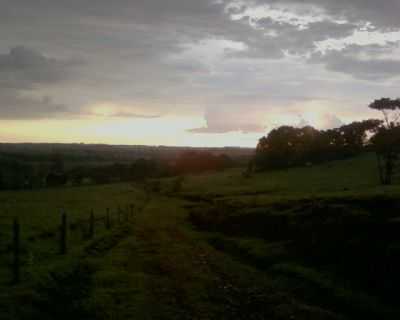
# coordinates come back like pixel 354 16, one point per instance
pixel 192 280
pixel 159 267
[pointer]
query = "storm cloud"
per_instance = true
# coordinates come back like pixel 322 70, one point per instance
pixel 22 68
pixel 229 62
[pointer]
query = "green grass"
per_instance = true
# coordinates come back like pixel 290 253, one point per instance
pixel 39 210
pixel 355 177
pixel 39 216
pixel 160 266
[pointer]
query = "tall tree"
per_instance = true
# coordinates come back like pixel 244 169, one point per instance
pixel 390 109
pixel 386 141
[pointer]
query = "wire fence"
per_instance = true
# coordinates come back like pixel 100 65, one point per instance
pixel 17 251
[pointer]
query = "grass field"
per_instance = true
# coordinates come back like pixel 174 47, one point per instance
pixel 329 177
pixel 305 243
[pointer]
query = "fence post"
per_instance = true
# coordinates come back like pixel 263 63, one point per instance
pixel 63 233
pixel 91 224
pixel 16 250
pixel 131 210
pixel 108 222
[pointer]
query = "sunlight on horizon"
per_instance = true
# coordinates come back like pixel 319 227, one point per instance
pixel 104 128
pixel 169 131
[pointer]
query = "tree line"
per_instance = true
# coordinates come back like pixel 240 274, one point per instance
pixel 289 146
pixel 54 172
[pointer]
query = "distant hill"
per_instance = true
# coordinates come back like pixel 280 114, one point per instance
pixel 108 153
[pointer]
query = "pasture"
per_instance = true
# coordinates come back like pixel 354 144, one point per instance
pixel 315 242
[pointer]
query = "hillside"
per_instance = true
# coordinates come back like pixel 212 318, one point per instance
pixel 351 177
pixel 80 152
pixel 305 243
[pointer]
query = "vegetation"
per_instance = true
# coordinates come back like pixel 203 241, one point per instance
pixel 294 242
pixel 26 169
pixel 288 146
pixel 386 141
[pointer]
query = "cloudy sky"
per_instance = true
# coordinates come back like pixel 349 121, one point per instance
pixel 191 72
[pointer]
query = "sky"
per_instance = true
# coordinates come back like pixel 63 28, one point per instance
pixel 191 72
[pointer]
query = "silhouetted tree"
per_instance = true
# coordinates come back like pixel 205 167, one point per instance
pixel 386 144
pixel 289 146
pixel 390 109
pixel 386 141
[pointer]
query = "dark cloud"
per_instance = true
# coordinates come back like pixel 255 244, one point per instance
pixel 15 105
pixel 22 68
pixel 137 51
pixel 366 63
pixel 363 69
pixel 22 72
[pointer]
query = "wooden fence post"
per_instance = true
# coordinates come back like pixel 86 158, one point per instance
pixel 91 224
pixel 63 233
pixel 107 221
pixel 131 210
pixel 16 250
